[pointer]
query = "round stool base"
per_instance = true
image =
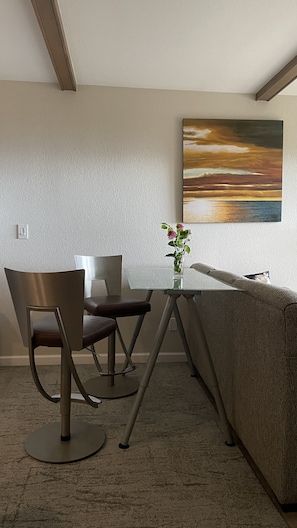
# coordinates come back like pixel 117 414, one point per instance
pixel 46 445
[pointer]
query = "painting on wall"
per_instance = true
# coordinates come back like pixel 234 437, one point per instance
pixel 232 170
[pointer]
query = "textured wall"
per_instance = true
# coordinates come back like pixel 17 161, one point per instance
pixel 97 171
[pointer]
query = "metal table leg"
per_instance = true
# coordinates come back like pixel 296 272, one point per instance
pixel 169 307
pixel 184 339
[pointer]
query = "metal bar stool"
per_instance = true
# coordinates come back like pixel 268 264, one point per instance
pixel 112 383
pixel 59 297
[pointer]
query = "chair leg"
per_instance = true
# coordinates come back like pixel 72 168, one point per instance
pixel 129 365
pixel 135 335
pixel 128 354
pixel 55 442
pixel 110 386
pixel 111 360
pixel 65 401
pixel 96 360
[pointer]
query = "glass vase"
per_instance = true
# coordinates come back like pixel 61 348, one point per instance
pixel 178 265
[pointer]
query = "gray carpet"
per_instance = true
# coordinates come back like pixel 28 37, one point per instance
pixel 177 472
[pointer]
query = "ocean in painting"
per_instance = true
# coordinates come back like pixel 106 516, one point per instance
pixel 231 211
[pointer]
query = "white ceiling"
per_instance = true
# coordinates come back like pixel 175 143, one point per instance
pixel 233 46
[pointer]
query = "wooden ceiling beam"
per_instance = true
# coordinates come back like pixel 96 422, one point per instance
pixel 280 81
pixel 50 22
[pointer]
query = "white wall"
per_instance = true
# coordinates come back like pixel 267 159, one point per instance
pixel 97 171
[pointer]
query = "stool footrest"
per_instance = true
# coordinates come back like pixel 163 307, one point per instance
pixel 120 372
pixel 77 397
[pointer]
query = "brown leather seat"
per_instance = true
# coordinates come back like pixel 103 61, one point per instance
pixel 115 306
pixel 47 333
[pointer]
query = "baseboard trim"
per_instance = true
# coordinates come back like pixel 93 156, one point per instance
pixel 86 359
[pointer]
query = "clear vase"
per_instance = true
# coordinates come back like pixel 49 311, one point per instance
pixel 178 265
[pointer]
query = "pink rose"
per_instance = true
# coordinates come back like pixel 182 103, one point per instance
pixel 171 234
pixel 179 226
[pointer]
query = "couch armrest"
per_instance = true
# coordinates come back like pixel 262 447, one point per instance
pixel 203 268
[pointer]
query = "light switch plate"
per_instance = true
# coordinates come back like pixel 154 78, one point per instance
pixel 23 231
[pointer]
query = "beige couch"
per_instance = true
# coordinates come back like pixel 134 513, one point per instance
pixel 252 337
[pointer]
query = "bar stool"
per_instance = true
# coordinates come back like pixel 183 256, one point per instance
pixel 111 384
pixel 59 298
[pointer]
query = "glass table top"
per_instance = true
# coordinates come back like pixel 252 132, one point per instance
pixel 141 278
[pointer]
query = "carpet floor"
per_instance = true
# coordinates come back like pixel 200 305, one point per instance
pixel 177 473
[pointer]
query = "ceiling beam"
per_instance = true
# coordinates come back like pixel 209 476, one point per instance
pixel 50 22
pixel 282 79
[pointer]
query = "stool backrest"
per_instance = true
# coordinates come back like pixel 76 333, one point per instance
pixel 64 290
pixel 107 268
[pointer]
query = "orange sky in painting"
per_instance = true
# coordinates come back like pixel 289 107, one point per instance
pixel 223 157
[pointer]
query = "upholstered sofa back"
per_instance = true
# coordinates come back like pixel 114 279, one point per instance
pixel 252 337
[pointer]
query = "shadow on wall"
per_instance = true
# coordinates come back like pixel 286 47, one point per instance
pixel 10 338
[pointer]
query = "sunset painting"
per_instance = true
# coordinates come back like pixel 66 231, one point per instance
pixel 232 170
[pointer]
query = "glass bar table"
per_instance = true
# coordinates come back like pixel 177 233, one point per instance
pixel 191 284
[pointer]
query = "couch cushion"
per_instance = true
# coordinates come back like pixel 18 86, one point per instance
pixel 263 276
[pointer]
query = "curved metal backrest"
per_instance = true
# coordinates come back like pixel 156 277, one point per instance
pixel 64 289
pixel 107 268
